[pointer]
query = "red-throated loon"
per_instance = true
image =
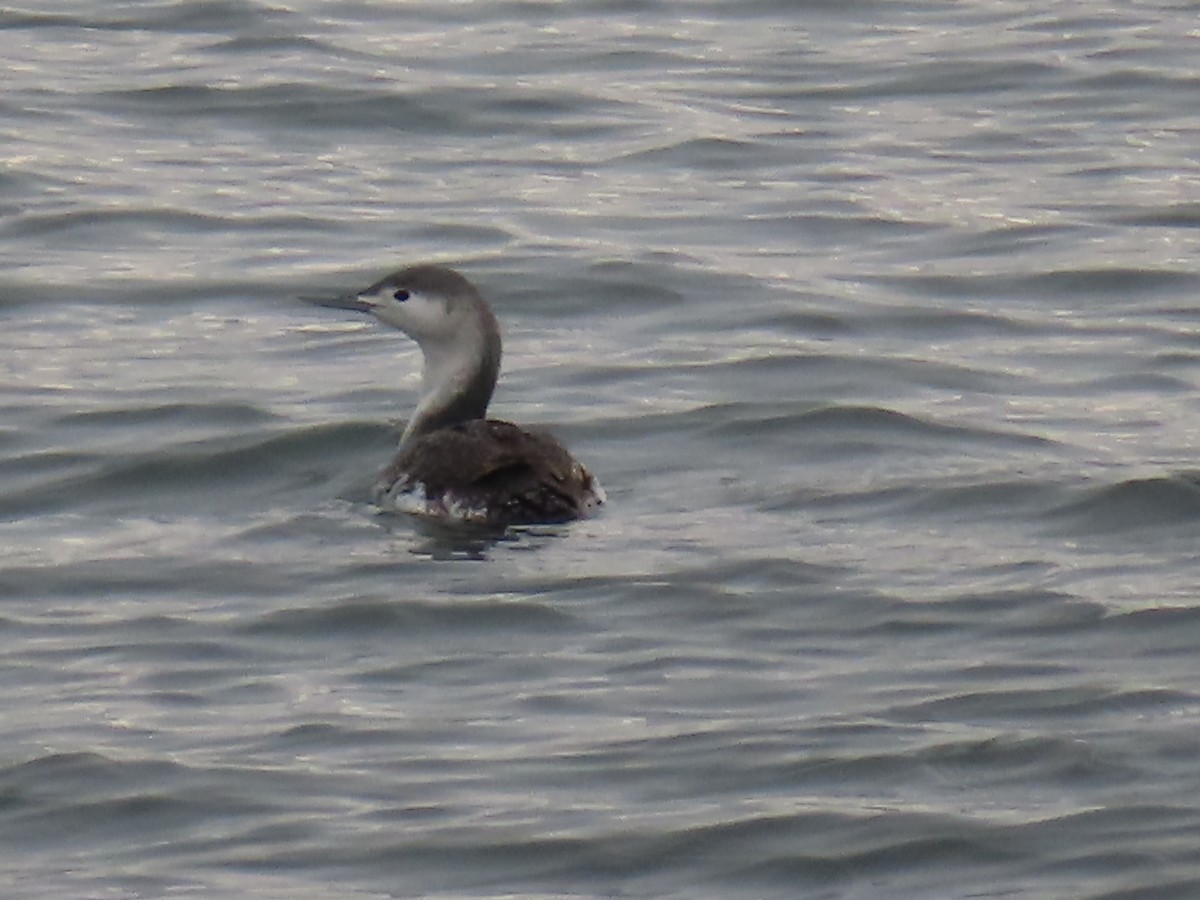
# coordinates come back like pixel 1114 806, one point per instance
pixel 454 463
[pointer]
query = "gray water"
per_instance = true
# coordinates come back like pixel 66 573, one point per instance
pixel 879 322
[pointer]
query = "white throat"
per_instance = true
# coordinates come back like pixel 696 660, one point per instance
pixel 457 379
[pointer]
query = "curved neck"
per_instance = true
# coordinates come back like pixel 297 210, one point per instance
pixel 458 381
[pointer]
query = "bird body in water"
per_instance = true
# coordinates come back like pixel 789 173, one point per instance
pixel 453 462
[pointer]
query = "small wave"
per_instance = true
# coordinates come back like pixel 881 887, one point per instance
pixel 936 324
pixel 1134 504
pixel 408 618
pixel 1179 215
pixel 204 472
pixel 314 109
pixel 147 220
pixel 708 155
pixel 981 501
pixel 1119 282
pixel 214 15
pixel 1141 383
pixel 864 427
pixel 1070 702
pixel 170 414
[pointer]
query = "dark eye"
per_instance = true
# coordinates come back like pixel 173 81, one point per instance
pixel 401 295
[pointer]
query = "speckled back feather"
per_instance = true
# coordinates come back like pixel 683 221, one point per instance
pixel 489 472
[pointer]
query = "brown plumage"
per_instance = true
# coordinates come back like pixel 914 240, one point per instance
pixel 490 472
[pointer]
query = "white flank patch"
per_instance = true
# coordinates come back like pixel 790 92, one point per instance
pixel 410 498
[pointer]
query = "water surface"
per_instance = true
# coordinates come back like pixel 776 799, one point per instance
pixel 877 321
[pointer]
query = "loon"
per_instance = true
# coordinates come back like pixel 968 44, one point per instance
pixel 454 464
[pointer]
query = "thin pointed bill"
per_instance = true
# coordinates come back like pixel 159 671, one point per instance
pixel 344 301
